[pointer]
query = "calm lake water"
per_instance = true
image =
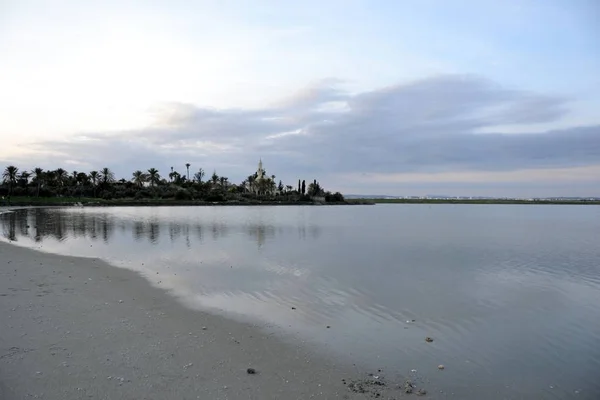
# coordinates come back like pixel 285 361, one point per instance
pixel 510 294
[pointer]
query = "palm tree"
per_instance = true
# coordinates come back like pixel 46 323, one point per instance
pixel 214 178
pixel 139 178
pixel 81 178
pixel 153 176
pixel 10 176
pixel 38 176
pixel 60 175
pixel 50 177
pixel 94 177
pixel 107 176
pixel 176 177
pixel 251 179
pixel 187 166
pixel 24 178
pixel 199 175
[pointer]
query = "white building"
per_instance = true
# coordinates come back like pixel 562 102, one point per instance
pixel 261 183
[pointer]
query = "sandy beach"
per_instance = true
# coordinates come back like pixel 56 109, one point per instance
pixel 78 328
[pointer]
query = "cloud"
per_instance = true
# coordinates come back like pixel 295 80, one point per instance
pixel 430 126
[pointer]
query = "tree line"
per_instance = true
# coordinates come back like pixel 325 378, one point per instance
pixel 150 184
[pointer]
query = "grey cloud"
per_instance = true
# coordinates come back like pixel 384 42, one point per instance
pixel 427 125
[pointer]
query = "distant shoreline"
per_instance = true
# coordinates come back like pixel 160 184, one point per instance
pixel 93 202
pixel 482 201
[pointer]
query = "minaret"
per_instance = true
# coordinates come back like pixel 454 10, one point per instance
pixel 260 172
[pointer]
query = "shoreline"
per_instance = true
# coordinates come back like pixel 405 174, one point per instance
pixel 484 202
pixel 167 203
pixel 88 202
pixel 81 328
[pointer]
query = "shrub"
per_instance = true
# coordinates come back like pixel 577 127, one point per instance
pixel 216 196
pixel 183 194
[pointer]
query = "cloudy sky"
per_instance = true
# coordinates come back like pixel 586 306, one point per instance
pixel 400 97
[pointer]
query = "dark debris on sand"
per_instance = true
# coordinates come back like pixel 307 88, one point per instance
pixel 377 386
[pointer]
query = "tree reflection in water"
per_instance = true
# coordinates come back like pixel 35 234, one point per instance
pixel 40 224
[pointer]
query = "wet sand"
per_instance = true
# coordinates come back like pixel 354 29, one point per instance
pixel 78 328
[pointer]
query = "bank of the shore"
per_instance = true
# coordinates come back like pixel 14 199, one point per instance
pixel 482 201
pixel 77 328
pixel 89 202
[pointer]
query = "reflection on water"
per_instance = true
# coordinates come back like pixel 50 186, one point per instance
pixel 59 224
pixel 510 293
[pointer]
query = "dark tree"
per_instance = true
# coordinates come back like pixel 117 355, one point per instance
pixel 38 176
pixel 10 177
pixel 298 185
pixel 303 187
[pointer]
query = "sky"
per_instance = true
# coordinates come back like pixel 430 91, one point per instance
pixel 398 97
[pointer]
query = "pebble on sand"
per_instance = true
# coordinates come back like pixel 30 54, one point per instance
pixel 428 339
pixel 441 366
pixel 251 371
pixel 408 387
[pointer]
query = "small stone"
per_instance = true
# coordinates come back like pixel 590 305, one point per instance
pixel 421 392
pixel 328 326
pixel 251 371
pixel 120 301
pixel 203 328
pixel 441 366
pixel 293 308
pixel 428 339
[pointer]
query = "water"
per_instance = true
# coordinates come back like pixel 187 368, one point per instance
pixel 510 294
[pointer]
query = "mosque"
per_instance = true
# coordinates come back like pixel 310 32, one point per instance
pixel 257 187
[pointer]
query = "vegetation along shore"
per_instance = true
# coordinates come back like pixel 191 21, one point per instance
pixel 60 187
